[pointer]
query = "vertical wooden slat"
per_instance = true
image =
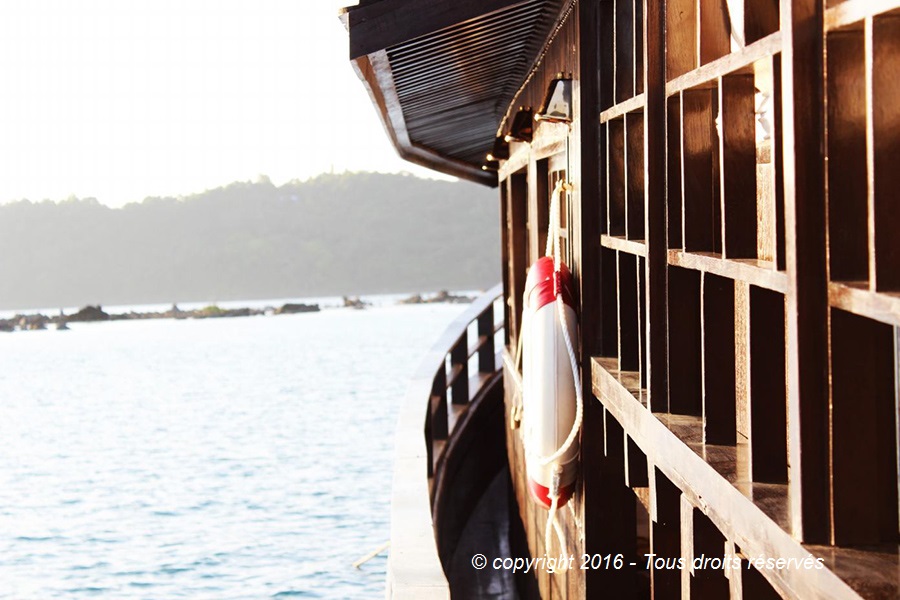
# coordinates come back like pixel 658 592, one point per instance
pixel 459 362
pixel 737 151
pixel 807 305
pixel 504 260
pixel 847 179
pixel 742 357
pixel 590 214
pixel 486 353
pixel 655 190
pixel 777 154
pixel 766 213
pixel 643 326
pixel 719 426
pixel 886 133
pixel 439 430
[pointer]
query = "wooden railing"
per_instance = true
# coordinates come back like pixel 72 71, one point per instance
pixel 414 568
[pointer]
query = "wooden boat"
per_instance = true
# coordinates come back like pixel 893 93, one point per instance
pixel 732 231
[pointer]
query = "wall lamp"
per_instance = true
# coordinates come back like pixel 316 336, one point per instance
pixel 557 106
pixel 522 127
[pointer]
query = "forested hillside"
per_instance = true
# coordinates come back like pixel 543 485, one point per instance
pixel 357 233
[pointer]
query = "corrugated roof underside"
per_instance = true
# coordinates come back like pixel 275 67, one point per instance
pixel 455 85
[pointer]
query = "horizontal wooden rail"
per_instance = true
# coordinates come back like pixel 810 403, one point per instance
pixel 414 568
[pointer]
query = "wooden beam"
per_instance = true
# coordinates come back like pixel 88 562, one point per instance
pixel 654 49
pixel 807 299
pixel 380 25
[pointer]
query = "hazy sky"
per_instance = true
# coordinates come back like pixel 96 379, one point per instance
pixel 120 100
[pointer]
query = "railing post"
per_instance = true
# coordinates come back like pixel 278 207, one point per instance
pixel 439 429
pixel 459 362
pixel 486 358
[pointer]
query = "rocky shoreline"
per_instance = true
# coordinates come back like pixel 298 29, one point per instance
pixel 38 321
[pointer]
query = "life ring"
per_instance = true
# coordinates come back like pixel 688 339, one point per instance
pixel 549 403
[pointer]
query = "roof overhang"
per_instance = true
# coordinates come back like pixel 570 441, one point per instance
pixel 443 73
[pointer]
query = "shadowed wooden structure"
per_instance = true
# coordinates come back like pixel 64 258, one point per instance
pixel 734 231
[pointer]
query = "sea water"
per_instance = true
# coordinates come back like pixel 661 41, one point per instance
pixel 219 458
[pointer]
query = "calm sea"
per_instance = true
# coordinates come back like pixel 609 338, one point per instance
pixel 221 458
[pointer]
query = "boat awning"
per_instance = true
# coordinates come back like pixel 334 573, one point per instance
pixel 442 73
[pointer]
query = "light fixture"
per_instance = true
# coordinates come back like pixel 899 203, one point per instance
pixel 491 165
pixel 557 107
pixel 522 126
pixel 500 151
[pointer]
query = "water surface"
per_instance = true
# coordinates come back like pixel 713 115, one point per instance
pixel 220 458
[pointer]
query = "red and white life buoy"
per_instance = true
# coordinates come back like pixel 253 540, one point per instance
pixel 549 400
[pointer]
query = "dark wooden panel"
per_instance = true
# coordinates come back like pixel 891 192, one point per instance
pixel 625 43
pixel 708 543
pixel 518 243
pixel 607 36
pixel 755 586
pixel 681 37
pixel 616 176
pixel 768 396
pixel 616 509
pixel 847 176
pixel 738 167
pixel 685 352
pixel 608 302
pixel 700 177
pixel 719 425
pixel 636 465
pixel 634 152
pixel 886 133
pixel 629 315
pixel 540 210
pixel 639 58
pixel 665 535
pixel 863 421
pixel 761 17
pixel 714 31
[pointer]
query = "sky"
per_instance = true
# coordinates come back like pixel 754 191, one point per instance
pixel 120 100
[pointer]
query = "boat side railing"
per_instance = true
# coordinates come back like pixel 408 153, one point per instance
pixel 437 397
